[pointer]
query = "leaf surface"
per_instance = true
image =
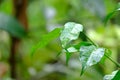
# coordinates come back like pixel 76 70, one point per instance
pixel 70 32
pixel 46 39
pixel 90 55
pixel 11 25
pixel 110 15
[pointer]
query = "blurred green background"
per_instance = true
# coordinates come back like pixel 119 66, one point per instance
pixel 42 17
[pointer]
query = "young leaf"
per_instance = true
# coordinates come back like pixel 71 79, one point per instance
pixel 90 55
pixel 77 46
pixel 110 15
pixel 114 76
pixel 46 39
pixel 72 49
pixel 11 25
pixel 70 32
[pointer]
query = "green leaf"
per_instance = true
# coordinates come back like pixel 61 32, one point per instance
pixel 70 32
pixel 76 47
pixel 11 25
pixel 90 55
pixel 117 76
pixel 46 39
pixel 108 53
pixel 114 76
pixel 73 49
pixel 110 15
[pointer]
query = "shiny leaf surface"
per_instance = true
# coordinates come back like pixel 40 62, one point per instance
pixel 70 32
pixel 90 55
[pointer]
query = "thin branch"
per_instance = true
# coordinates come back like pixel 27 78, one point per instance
pixel 89 39
pixel 116 63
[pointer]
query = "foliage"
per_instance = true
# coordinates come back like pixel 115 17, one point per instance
pixel 110 15
pixel 46 39
pixel 114 76
pixel 95 41
pixel 70 32
pixel 12 26
pixel 89 55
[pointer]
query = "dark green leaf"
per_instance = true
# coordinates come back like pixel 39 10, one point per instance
pixel 90 55
pixel 108 53
pixel 46 39
pixel 117 76
pixel 114 76
pixel 12 26
pixel 76 47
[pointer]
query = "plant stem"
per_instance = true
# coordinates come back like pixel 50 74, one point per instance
pixel 116 63
pixel 89 39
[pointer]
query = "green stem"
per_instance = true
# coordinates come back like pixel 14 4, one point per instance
pixel 89 39
pixel 116 63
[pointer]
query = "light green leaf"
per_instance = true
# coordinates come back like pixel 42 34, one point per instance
pixel 70 32
pixel 11 25
pixel 46 39
pixel 114 76
pixel 90 55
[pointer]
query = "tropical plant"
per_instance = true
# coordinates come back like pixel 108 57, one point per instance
pixel 89 52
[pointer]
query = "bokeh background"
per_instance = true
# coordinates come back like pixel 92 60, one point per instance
pixel 39 17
